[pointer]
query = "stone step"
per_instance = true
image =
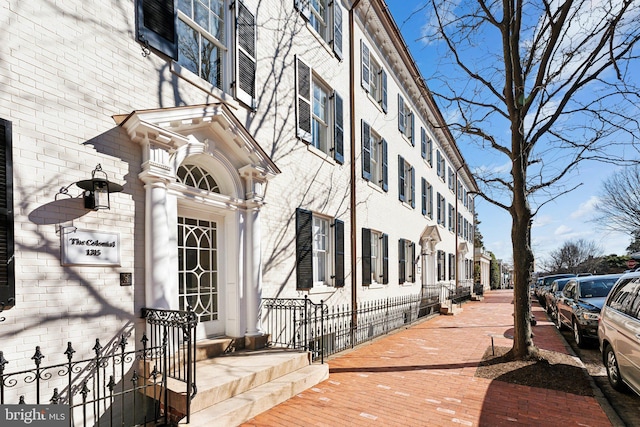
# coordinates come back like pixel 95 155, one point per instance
pixel 244 406
pixel 450 309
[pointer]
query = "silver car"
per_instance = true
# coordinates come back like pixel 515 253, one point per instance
pixel 619 333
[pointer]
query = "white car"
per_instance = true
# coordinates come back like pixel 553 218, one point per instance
pixel 619 333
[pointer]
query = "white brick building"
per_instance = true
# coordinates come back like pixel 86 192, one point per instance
pixel 265 149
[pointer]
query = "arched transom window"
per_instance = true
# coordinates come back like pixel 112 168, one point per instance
pixel 195 176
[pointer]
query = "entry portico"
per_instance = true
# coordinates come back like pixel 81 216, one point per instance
pixel 205 178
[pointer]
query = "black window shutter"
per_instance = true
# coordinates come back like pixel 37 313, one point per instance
pixel 337 29
pixel 423 143
pixel 365 67
pixel 156 26
pixel 339 253
pixel 413 262
pixel 385 166
pixel 385 259
pixel 384 90
pixel 366 256
pixel 413 187
pixel 366 151
pixel 401 262
pixel 245 71
pixel 338 137
pixel 424 196
pixel 7 262
pixel 413 129
pixel 304 249
pixel 401 178
pixel 303 104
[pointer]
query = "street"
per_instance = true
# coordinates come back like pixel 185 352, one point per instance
pixel 625 404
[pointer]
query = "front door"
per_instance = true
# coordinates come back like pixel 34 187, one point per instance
pixel 199 276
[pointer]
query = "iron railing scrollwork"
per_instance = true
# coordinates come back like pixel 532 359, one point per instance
pixel 176 330
pixel 118 385
pixel 113 387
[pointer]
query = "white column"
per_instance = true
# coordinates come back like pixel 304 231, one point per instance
pixel 157 246
pixel 253 276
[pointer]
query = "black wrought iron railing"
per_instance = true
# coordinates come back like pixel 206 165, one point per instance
pixel 111 388
pixel 175 332
pixel 300 323
pixel 120 385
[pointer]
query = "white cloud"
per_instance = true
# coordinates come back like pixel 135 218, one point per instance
pixel 563 231
pixel 585 209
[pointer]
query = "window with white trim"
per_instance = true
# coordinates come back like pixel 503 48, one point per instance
pixel 375 257
pixel 319 250
pixel 427 199
pixel 406 264
pixel 426 146
pixel 214 40
pixel 451 217
pixel 325 17
pixel 441 265
pixel 319 113
pixel 406 182
pixel 452 179
pixel 441 166
pixel 374 157
pixel 452 267
pixel 373 77
pixel 406 120
pixel 440 218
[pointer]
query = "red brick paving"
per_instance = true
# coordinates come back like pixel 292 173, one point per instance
pixel 424 376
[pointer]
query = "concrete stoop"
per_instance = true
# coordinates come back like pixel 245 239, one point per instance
pixel 234 387
pixel 477 297
pixel 450 309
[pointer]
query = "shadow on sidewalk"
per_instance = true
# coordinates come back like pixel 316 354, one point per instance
pixel 403 368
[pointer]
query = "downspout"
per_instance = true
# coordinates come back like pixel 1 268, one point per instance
pixel 352 116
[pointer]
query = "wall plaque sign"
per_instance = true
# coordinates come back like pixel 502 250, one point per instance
pixel 88 247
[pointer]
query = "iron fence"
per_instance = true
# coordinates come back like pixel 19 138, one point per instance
pixel 302 324
pixel 119 385
pixel 107 389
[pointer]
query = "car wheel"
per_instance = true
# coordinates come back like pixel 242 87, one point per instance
pixel 577 334
pixel 613 372
pixel 559 324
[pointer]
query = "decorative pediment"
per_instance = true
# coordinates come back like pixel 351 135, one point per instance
pixel 168 135
pixel 463 248
pixel 431 234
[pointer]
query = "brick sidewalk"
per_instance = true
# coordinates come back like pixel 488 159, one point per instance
pixel 424 376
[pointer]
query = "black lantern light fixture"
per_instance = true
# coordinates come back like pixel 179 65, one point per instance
pixel 97 190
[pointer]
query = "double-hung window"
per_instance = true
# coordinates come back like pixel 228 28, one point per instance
pixel 452 179
pixel 451 217
pixel 441 220
pixel 374 157
pixel 319 250
pixel 441 267
pixel 441 166
pixel 426 146
pixel 452 267
pixel 7 262
pixel 406 265
pixel 373 77
pixel 406 182
pixel 427 199
pixel 375 257
pixel 213 39
pixel 325 17
pixel 319 113
pixel 406 120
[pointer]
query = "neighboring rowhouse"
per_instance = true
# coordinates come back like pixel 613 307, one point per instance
pixel 253 150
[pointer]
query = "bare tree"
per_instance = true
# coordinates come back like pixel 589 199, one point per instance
pixel 619 202
pixel 574 256
pixel 543 85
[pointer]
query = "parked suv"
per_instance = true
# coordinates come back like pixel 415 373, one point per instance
pixel 579 304
pixel 619 333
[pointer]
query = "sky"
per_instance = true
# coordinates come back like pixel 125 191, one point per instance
pixel 567 218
